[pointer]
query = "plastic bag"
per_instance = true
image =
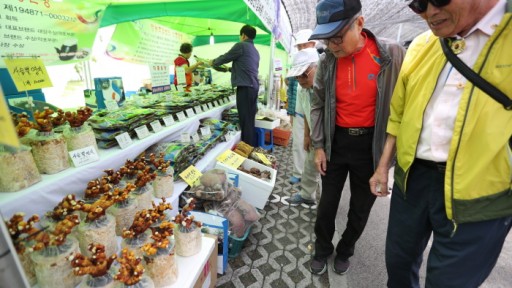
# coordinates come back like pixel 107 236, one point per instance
pixel 213 186
pixel 22 170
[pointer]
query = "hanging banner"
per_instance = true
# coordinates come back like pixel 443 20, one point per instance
pixel 145 41
pixel 56 32
pixel 160 81
pixel 28 73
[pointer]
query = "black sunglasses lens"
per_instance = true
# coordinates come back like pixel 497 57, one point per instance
pixel 418 6
pixel 439 3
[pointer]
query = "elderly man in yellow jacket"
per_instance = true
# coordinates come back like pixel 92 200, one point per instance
pixel 453 176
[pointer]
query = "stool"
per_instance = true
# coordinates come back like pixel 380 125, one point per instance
pixel 261 138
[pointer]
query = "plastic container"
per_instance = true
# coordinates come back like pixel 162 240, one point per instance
pixel 281 137
pixel 102 231
pixel 235 244
pixel 162 267
pixel 188 243
pixel 123 212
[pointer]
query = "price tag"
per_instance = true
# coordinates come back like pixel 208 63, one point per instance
pixel 205 107
pixel 198 109
pixel 181 116
pixel 191 175
pixel 168 97
pixel 231 159
pixel 156 126
pixel 225 100
pixel 190 112
pixel 142 132
pixel 83 156
pixel 124 140
pixel 230 135
pixel 232 98
pixel 168 120
pixel 218 103
pixel 195 138
pixel 213 104
pixel 209 106
pixel 185 137
pixel 205 131
pixel 111 105
pixel 263 158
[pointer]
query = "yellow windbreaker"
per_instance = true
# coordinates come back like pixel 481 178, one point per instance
pixel 478 179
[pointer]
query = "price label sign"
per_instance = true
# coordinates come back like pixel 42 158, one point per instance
pixel 28 73
pixel 209 106
pixel 230 135
pixel 83 156
pixel 195 138
pixel 111 105
pixel 191 175
pixel 218 103
pixel 213 104
pixel 225 100
pixel 190 112
pixel 185 137
pixel 198 109
pixel 142 132
pixel 124 140
pixel 156 126
pixel 168 120
pixel 263 158
pixel 205 131
pixel 205 107
pixel 168 97
pixel 232 98
pixel 181 116
pixel 231 159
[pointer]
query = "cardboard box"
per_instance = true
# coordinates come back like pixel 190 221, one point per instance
pixel 254 190
pixel 208 276
pixel 266 124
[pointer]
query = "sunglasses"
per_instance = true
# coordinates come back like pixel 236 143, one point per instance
pixel 420 6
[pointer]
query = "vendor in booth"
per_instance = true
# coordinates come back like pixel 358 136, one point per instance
pixel 182 61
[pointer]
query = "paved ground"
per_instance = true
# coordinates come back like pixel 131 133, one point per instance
pixel 277 252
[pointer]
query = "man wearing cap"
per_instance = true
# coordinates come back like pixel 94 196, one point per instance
pixel 453 169
pixel 304 69
pixel 349 111
pixel 297 119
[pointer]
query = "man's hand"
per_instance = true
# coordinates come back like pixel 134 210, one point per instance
pixel 307 143
pixel 379 182
pixel 320 161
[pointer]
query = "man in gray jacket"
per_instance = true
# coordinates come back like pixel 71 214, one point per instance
pixel 353 86
pixel 244 76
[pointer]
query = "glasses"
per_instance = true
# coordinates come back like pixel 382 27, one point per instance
pixel 304 75
pixel 337 40
pixel 420 6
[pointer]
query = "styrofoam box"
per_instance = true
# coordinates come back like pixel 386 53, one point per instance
pixel 254 190
pixel 267 124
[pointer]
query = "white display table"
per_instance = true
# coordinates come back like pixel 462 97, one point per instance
pixel 43 196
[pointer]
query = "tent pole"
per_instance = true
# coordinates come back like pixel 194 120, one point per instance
pixel 399 33
pixel 270 80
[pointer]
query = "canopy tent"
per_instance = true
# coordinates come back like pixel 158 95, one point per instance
pixel 199 18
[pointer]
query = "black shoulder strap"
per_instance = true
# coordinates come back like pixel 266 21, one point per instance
pixel 476 79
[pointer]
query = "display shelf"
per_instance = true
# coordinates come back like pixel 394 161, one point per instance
pixel 45 194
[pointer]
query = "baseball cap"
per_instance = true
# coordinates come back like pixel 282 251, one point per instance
pixel 302 60
pixel 332 16
pixel 302 36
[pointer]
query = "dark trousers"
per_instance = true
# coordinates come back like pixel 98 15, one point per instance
pixel 246 103
pixel 349 155
pixel 458 258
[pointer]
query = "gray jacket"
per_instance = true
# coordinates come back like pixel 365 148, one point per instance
pixel 323 103
pixel 246 60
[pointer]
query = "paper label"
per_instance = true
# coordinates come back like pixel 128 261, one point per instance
pixel 142 131
pixel 231 159
pixel 209 105
pixel 232 98
pixel 218 103
pixel 28 73
pixel 168 120
pixel 190 112
pixel 83 156
pixel 263 158
pixel 191 175
pixel 195 138
pixel 181 116
pixel 205 131
pixel 205 107
pixel 124 140
pixel 198 109
pixel 213 104
pixel 168 97
pixel 185 137
pixel 156 126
